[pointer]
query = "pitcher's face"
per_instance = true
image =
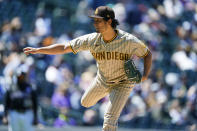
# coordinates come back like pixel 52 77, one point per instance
pixel 100 25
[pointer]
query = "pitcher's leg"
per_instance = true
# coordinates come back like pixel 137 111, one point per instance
pixel 93 94
pixel 118 98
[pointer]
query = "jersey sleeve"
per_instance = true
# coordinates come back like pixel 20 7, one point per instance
pixel 137 47
pixel 83 42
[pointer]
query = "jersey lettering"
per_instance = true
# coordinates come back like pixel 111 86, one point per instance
pixel 111 56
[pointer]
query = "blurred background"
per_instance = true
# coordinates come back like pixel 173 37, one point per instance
pixel 167 100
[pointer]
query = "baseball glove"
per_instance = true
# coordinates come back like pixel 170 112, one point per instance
pixel 133 74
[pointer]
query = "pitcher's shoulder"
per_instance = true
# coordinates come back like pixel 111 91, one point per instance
pixel 125 34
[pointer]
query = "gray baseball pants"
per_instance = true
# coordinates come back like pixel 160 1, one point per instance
pixel 117 100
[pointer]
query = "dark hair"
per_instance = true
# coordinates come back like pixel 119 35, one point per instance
pixel 114 22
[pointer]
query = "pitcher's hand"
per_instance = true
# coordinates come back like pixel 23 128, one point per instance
pixel 30 50
pixel 144 78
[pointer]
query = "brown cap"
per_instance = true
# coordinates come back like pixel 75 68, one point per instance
pixel 103 12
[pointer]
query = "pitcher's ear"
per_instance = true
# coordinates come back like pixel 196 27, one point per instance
pixel 109 21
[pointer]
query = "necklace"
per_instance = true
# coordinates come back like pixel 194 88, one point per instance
pixel 107 41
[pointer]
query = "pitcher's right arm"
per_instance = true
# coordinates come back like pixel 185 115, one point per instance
pixel 51 50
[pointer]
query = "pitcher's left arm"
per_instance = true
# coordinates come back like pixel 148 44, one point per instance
pixel 147 65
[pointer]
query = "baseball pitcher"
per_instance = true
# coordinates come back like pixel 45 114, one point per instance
pixel 112 49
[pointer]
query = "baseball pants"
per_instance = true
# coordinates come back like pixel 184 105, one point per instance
pixel 20 121
pixel 117 100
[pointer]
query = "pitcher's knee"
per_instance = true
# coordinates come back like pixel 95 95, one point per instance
pixel 85 103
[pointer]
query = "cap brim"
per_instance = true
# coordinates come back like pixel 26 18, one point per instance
pixel 95 16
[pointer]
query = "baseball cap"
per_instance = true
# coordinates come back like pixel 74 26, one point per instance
pixel 103 12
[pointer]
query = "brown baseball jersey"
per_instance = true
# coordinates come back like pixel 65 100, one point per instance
pixel 110 56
